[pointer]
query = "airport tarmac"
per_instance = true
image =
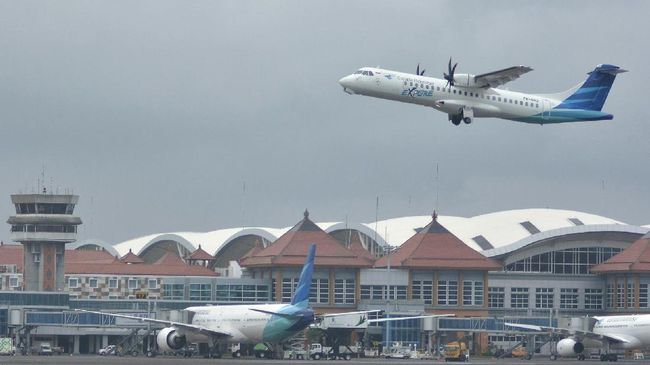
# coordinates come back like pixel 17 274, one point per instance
pixel 100 360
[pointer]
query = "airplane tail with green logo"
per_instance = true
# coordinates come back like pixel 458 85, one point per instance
pixel 301 295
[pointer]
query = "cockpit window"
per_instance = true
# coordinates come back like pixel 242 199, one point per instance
pixel 370 73
pixel 358 72
pixel 365 73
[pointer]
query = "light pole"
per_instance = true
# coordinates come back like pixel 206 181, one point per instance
pixel 388 297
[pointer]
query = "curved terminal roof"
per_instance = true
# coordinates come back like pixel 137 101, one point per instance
pixel 491 234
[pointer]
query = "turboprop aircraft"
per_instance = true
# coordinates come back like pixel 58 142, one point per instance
pixel 465 96
pixel 626 332
pixel 260 323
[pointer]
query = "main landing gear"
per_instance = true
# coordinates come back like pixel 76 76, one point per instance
pixel 465 115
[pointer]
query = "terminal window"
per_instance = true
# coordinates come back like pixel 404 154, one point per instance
pixel 496 297
pixel 518 297
pixel 319 291
pixel 447 292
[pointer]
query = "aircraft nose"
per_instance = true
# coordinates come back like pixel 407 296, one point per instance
pixel 347 82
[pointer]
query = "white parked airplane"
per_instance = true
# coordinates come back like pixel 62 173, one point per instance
pixel 260 323
pixel 626 332
pixel 465 97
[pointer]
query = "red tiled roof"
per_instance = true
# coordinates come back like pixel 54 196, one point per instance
pixel 435 247
pixel 141 269
pixel 291 249
pixel 102 263
pixel 169 259
pixel 635 258
pixel 89 256
pixel 200 254
pixel 131 258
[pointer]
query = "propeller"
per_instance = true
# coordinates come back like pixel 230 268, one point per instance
pixel 417 71
pixel 450 77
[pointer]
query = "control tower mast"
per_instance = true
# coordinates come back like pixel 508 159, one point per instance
pixel 43 224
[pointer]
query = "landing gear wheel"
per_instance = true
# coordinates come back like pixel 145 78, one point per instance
pixel 553 357
pixel 236 354
pixel 134 353
pixel 316 356
pixel 150 353
pixel 347 357
pixel 467 120
pixel 455 121
pixel 262 355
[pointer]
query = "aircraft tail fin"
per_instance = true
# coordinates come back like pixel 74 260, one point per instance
pixel 591 95
pixel 301 295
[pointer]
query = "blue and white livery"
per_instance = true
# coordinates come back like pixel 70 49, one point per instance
pixel 465 96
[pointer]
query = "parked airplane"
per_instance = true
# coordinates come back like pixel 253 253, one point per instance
pixel 260 323
pixel 610 332
pixel 465 97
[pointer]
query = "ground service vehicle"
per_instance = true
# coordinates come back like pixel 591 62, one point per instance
pixel 45 349
pixel 108 350
pixel 318 351
pixel 456 351
pixel 7 346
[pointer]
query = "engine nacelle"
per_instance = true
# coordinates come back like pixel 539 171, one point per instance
pixel 464 80
pixel 569 347
pixel 168 339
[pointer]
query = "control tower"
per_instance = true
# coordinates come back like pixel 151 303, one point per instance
pixel 44 223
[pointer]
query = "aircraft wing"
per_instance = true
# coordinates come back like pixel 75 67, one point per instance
pixel 500 77
pixel 184 326
pixel 571 332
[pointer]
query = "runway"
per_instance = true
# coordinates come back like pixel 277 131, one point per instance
pixel 101 360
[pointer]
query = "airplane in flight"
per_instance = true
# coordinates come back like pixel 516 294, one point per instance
pixel 465 96
pixel 255 323
pixel 625 332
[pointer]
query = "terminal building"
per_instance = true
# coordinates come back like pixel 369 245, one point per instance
pixel 534 264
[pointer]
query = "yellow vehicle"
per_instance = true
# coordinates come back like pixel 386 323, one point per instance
pixel 456 351
pixel 520 351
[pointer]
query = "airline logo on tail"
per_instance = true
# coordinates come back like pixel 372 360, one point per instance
pixel 301 295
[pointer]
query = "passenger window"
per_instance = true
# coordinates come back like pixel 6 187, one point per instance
pixel 521 102
pixel 526 104
pixel 537 106
pixel 465 93
pixel 476 95
pixel 454 91
pixel 471 94
pixel 370 73
pixel 438 88
pixel 499 98
pixel 405 83
pixel 411 83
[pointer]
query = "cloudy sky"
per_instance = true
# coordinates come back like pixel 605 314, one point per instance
pixel 194 116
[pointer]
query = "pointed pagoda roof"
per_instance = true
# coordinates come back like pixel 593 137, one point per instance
pixel 635 258
pixel 200 254
pixel 435 247
pixel 131 258
pixel 170 259
pixel 291 249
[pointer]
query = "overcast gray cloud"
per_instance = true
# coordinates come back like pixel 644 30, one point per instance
pixel 193 116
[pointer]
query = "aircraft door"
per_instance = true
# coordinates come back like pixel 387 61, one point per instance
pixel 546 109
